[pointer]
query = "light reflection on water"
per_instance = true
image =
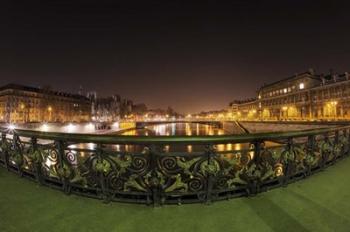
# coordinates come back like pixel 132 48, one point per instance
pixel 176 129
pixel 164 148
pixel 173 129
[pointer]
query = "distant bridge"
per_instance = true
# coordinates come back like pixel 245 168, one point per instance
pixel 143 124
pixel 233 127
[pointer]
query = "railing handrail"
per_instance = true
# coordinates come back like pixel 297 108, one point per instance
pixel 161 177
pixel 208 139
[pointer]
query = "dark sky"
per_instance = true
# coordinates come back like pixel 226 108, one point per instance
pixel 191 56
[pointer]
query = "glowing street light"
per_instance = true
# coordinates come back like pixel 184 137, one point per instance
pixel 115 125
pixel 90 126
pixel 334 103
pixel 333 108
pixel 49 109
pixel 45 127
pixel 70 127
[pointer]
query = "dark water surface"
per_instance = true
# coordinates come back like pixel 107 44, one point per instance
pixel 181 129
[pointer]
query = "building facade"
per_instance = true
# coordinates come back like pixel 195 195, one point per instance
pixel 108 109
pixel 304 96
pixel 23 104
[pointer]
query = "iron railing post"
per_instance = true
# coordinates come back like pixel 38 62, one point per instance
pixel 101 175
pixel 324 153
pixel 211 151
pixel 289 163
pixel 254 183
pixel 61 154
pixel 348 134
pixel 5 153
pixel 345 148
pixel 37 163
pixel 310 150
pixel 154 182
pixel 335 144
pixel 17 150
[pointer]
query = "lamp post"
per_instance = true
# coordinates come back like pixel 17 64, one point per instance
pixel 49 109
pixel 334 105
pixel 285 112
pixel 22 110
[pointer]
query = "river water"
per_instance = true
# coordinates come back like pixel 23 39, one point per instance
pixel 183 129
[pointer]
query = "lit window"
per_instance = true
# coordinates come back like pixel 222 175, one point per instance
pixel 301 86
pixel 285 90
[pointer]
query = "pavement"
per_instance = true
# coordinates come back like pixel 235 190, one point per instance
pixel 318 203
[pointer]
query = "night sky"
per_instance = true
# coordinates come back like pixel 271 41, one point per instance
pixel 191 56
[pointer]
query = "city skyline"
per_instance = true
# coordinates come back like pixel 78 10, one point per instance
pixel 187 56
pixel 174 115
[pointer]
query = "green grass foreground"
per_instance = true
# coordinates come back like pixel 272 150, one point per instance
pixel 318 203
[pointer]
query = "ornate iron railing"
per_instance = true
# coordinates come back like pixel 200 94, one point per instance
pixel 151 174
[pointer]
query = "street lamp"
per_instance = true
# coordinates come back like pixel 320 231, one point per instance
pixel 50 111
pixel 22 109
pixel 334 104
pixel 11 127
pixel 45 127
pixel 284 109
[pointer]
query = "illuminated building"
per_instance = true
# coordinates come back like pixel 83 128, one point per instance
pixel 21 104
pixel 109 109
pixel 305 96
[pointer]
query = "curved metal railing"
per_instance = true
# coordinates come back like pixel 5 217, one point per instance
pixel 95 166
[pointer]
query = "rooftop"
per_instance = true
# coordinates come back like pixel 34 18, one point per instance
pixel 249 100
pixel 296 76
pixel 42 91
pixel 322 78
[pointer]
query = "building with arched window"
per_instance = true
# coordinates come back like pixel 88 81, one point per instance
pixel 304 96
pixel 21 104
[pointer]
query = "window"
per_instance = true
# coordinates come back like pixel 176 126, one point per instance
pixel 301 86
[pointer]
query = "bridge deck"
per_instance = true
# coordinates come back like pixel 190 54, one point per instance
pixel 319 203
